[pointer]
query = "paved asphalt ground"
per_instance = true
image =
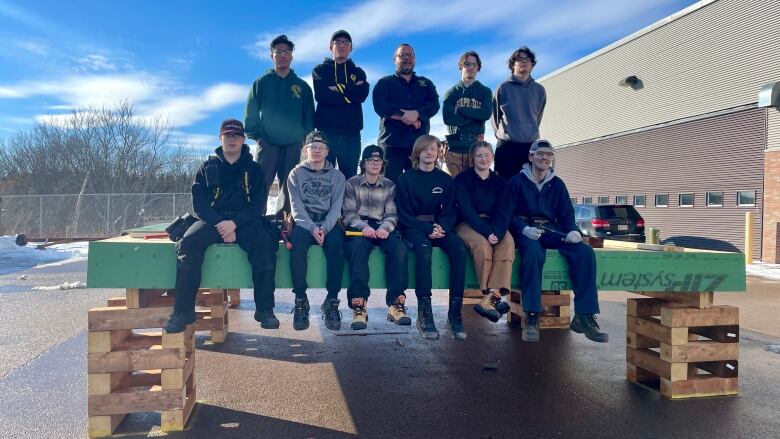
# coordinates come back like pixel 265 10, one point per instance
pixel 318 384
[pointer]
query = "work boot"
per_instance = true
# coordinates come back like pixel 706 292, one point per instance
pixel 425 323
pixel 531 328
pixel 486 307
pixel 331 314
pixel 267 319
pixel 359 315
pixel 454 319
pixel 396 313
pixel 301 313
pixel 178 321
pixel 587 323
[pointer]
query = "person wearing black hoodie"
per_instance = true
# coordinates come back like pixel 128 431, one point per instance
pixel 229 197
pixel 340 88
pixel 427 213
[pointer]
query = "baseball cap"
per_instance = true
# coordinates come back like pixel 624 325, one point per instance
pixel 370 150
pixel 231 126
pixel 341 33
pixel 539 144
pixel 315 136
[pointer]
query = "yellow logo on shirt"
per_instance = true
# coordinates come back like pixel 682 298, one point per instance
pixel 353 77
pixel 296 90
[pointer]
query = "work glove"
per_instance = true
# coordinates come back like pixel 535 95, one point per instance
pixel 532 232
pixel 573 237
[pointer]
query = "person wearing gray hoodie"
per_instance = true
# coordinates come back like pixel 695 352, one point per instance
pixel 518 106
pixel 316 195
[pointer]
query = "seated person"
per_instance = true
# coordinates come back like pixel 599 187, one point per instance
pixel 229 197
pixel 482 203
pixel 369 207
pixel 543 218
pixel 316 193
pixel 427 214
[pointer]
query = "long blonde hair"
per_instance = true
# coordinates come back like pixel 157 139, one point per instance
pixel 420 144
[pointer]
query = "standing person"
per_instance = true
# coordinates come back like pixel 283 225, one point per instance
pixel 279 114
pixel 427 213
pixel 369 207
pixel 405 103
pixel 543 218
pixel 316 195
pixel 228 197
pixel 467 105
pixel 340 88
pixel 518 106
pixel 482 197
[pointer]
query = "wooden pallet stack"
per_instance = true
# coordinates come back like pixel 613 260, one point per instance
pixel 684 342
pixel 556 309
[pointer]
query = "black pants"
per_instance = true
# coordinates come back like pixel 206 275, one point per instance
pixel 344 149
pixel 358 249
pixel 301 239
pixel 398 161
pixel 278 161
pixel 510 157
pixel 254 238
pixel 423 249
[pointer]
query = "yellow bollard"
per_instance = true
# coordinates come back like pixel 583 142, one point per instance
pixel 748 237
pixel 654 235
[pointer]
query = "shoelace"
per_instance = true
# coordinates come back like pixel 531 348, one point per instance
pixel 592 320
pixel 333 312
pixel 495 300
pixel 400 307
pixel 359 311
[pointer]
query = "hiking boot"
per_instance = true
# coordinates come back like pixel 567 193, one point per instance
pixel 301 313
pixel 425 323
pixel 455 320
pixel 331 314
pixel 531 328
pixel 586 323
pixel 396 313
pixel 486 307
pixel 359 316
pixel 178 321
pixel 267 319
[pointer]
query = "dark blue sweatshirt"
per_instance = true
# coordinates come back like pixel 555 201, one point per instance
pixel 425 193
pixel 393 94
pixel 476 197
pixel 552 202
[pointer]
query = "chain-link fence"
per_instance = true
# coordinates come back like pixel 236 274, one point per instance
pixel 87 215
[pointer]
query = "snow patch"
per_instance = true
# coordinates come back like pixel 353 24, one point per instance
pixel 63 286
pixel 764 270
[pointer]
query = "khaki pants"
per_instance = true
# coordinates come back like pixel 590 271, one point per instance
pixel 493 264
pixel 456 162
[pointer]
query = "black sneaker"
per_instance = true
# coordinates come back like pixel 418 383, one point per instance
pixel 331 314
pixel 455 319
pixel 301 313
pixel 425 323
pixel 178 321
pixel 586 323
pixel 267 319
pixel 531 328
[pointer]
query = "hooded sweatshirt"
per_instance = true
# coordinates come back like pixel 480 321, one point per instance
pixel 476 197
pixel 465 111
pixel 316 196
pixel 219 191
pixel 548 199
pixel 279 111
pixel 517 110
pixel 425 193
pixel 339 112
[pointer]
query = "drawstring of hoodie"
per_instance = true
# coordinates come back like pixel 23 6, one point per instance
pixel 341 87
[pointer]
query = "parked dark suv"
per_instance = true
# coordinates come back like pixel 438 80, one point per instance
pixel 610 221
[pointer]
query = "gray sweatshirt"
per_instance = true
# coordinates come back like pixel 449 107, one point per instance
pixel 316 196
pixel 517 110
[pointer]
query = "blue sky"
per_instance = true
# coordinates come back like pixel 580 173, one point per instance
pixel 194 62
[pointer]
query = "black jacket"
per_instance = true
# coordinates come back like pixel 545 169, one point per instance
pixel 339 112
pixel 552 202
pixel 221 191
pixel 425 193
pixel 393 94
pixel 490 197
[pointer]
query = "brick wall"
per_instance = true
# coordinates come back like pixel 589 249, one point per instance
pixel 770 250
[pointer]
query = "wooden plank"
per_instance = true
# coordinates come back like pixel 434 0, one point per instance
pixel 133 298
pixel 177 378
pixel 699 387
pixel 645 307
pixel 611 243
pixel 234 297
pixel 101 426
pixel 135 400
pixel 696 300
pixel 209 324
pixel 636 374
pixel 207 298
pixel 107 319
pixel 117 301
pixel 139 341
pixel 176 420
pixel 104 383
pixel 651 361
pixel 468 293
pixel 723 334
pixel 218 335
pixel 142 378
pixel 652 328
pixel 105 341
pixel 721 369
pixel 218 312
pixel 178 340
pixel 720 315
pixel 697 351
pixel 126 361
pixel 148 297
pixel 556 300
pixel 637 341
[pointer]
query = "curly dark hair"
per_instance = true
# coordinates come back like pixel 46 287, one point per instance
pixel 468 54
pixel 282 39
pixel 528 52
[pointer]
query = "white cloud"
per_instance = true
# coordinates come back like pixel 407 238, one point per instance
pixel 96 63
pixel 35 48
pixel 198 142
pixel 188 109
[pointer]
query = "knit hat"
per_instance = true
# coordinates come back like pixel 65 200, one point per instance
pixel 539 144
pixel 342 34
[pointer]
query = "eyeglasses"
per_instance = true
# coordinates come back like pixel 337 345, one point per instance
pixel 544 154
pixel 375 161
pixel 341 42
pixel 522 59
pixel 318 147
pixel 404 55
pixel 282 52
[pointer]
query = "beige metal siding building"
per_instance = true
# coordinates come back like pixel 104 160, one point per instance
pixel 686 123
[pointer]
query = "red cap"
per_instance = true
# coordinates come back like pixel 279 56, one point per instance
pixel 231 126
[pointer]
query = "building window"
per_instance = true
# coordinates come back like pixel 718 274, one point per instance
pixel 639 200
pixel 573 200
pixel 587 200
pixel 621 199
pixel 603 199
pixel 746 198
pixel 714 199
pixel 661 200
pixel 685 200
